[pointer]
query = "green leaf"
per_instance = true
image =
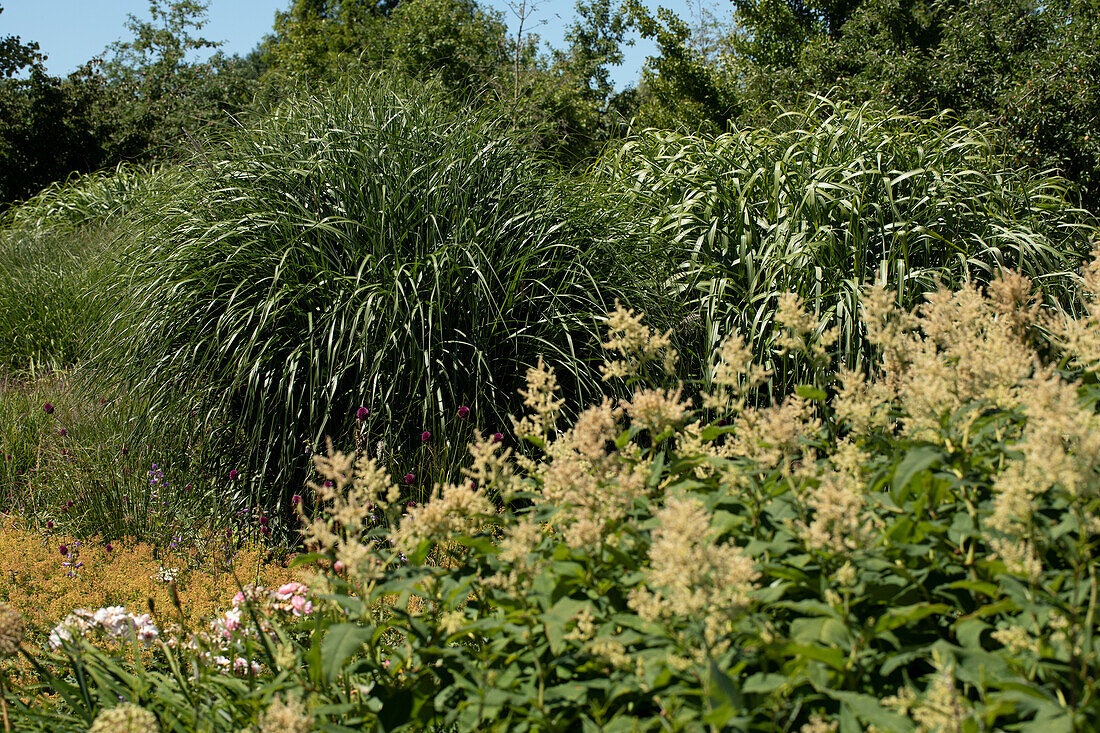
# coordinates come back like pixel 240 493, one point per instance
pixel 340 643
pixel 761 683
pixel 870 712
pixel 555 620
pixel 915 461
pixel 904 615
pixel 808 392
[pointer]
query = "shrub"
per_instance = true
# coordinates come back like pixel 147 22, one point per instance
pixel 833 197
pixel 911 550
pixel 368 247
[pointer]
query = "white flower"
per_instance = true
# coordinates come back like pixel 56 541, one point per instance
pixel 166 575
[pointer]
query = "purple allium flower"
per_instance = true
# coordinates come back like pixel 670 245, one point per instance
pixel 361 414
pixel 49 524
pixel 425 436
pixel 497 437
pixel 296 499
pixel 411 504
pixel 63 432
pixel 233 474
pixel 48 408
pixel 263 521
pixel 463 412
pixel 109 547
pixel 409 478
pixel 187 488
pixel 328 483
pixel 64 549
pixel 69 504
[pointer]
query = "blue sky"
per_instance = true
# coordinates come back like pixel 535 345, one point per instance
pixel 72 31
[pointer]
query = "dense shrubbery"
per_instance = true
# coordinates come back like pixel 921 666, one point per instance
pixel 909 551
pixel 847 515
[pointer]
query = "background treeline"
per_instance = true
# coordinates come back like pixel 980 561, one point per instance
pixel 1029 68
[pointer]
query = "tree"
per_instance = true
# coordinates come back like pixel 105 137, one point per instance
pixel 152 92
pixel 1030 68
pixel 680 88
pixel 16 55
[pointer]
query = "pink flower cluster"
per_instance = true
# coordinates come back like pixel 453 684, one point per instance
pixel 225 645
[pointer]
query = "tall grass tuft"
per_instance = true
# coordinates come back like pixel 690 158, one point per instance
pixel 833 197
pixel 364 247
pixel 53 256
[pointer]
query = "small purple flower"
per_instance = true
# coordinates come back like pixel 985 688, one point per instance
pixel 409 478
pixel 186 488
pixel 497 437
pixel 327 484
pixel 361 414
pixel 48 408
pixel 463 412
pixel 263 521
pixel 69 504
pixel 411 504
pixel 64 451
pixel 63 432
pixel 49 524
pixel 425 436
pixel 64 549
pixel 109 547
pixel 233 474
pixel 296 499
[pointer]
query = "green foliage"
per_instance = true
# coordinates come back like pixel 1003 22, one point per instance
pixel 369 247
pixel 455 40
pixel 54 252
pixel 153 96
pixel 831 198
pixel 680 88
pixel 16 55
pixel 136 106
pixel 48 129
pixel 907 551
pixel 1028 67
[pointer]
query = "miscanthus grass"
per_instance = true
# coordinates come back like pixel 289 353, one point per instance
pixel 370 247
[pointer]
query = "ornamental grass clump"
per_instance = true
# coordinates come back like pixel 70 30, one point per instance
pixel 906 548
pixel 828 199
pixel 368 258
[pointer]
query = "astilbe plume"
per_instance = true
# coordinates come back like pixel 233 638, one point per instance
pixel 11 630
pixel 693 575
pixel 636 344
pixel 286 716
pixel 127 718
